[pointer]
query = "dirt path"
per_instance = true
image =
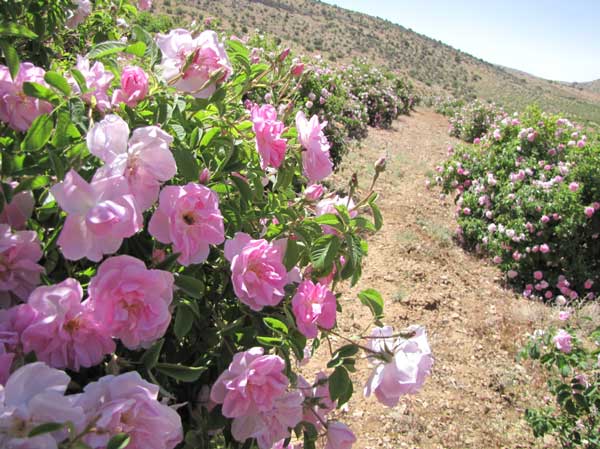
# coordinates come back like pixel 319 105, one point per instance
pixel 474 398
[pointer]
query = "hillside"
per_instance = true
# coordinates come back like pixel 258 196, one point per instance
pixel 340 36
pixel 592 86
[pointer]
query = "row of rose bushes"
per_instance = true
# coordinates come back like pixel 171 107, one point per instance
pixel 349 98
pixel 469 121
pixel 169 253
pixel 528 194
pixel 571 358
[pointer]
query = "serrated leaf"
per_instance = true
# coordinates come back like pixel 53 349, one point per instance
pixel 152 354
pixel 276 325
pixel 119 441
pixel 340 386
pixel 48 427
pixel 191 286
pixel 39 133
pixel 105 49
pixel 184 320
pixel 58 81
pixel 36 90
pixel 181 372
pixel 328 219
pixel 377 217
pixel 187 165
pixel 323 252
pixel 292 254
pixel 373 300
pixel 11 57
pixel 137 49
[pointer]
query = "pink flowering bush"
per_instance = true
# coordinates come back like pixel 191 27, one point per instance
pixel 531 204
pixel 165 251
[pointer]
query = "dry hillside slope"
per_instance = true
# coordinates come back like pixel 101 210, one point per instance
pixel 341 35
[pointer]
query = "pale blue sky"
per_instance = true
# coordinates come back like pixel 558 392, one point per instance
pixel 554 39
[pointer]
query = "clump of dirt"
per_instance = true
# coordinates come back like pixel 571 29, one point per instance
pixel 476 395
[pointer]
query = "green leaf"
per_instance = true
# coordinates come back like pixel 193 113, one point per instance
pixel 48 427
pixel 119 441
pixel 323 252
pixel 36 90
pixel 66 131
pixel 341 354
pixel 80 80
pixel 373 300
pixel 13 29
pixel 184 320
pixel 38 134
pixel 169 262
pixel 191 286
pixel 181 372
pixel 150 357
pixel 292 254
pixel 58 81
pixel 32 183
pixel 377 217
pixel 105 49
pixel 11 57
pixel 340 386
pixel 328 219
pixel 275 325
pixel 187 165
pixel 269 341
pixel 137 49
pixel 244 188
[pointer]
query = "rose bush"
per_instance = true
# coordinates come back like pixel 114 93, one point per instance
pixel 165 249
pixel 528 196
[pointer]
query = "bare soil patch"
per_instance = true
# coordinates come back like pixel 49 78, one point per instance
pixel 477 393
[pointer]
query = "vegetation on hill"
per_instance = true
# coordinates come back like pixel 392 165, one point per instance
pixel 340 35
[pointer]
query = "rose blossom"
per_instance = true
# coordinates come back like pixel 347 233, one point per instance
pixel 128 404
pixel 313 192
pixel 84 9
pixel 562 341
pixel 145 160
pixel 316 162
pixel 564 315
pixel 134 87
pixel 131 301
pixel 328 206
pixel 34 395
pixel 271 146
pixel 257 271
pixel 339 436
pixel 314 306
pixel 16 108
pixel 19 271
pixel 97 81
pixel 401 365
pixel 18 210
pixel 251 383
pixel 64 332
pixel 189 218
pixel 207 56
pixel 144 5
pixel 589 211
pixel 100 215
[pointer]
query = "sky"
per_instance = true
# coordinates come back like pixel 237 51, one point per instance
pixel 553 39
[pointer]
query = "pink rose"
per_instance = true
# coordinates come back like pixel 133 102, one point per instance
pixel 251 383
pixel 257 271
pixel 573 187
pixel 339 436
pixel 64 332
pixel 34 395
pixel 145 160
pixel 84 9
pixel 19 210
pixel 100 216
pixel 401 365
pixel 564 315
pixel 314 306
pixel 544 248
pixel 589 211
pixel 588 284
pixel 189 218
pixel 313 192
pixel 97 81
pixel 144 5
pixel 272 426
pixel 6 360
pixel 19 253
pixel 316 162
pixel 16 108
pixel 538 275
pixel 297 69
pixel 134 86
pixel 128 404
pixel 131 301
pixel 268 129
pixel 208 60
pixel 562 341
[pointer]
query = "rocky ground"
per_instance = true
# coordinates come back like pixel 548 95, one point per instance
pixel 477 393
